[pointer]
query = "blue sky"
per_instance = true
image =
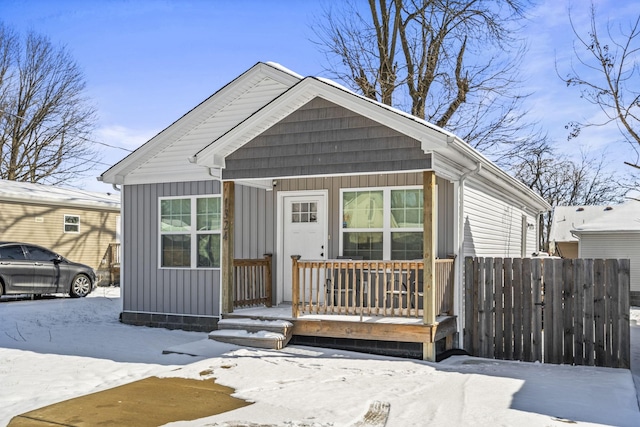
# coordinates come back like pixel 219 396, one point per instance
pixel 147 62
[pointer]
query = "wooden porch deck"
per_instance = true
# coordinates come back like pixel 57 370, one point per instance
pixel 354 299
pixel 379 328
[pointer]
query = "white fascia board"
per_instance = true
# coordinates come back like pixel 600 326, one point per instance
pixel 196 174
pixel 193 117
pixel 500 178
pixel 264 184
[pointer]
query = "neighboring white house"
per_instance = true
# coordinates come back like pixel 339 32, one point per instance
pixel 615 233
pixel 565 219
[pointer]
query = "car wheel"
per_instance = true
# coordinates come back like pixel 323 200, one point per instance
pixel 80 287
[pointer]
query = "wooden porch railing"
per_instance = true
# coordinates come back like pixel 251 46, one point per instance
pixel 113 261
pixel 252 282
pixel 372 288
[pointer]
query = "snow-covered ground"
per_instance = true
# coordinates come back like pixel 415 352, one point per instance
pixel 55 349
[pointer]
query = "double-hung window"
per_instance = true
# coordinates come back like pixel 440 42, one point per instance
pixel 383 224
pixel 190 232
pixel 71 224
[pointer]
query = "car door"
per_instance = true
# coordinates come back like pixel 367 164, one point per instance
pixel 16 269
pixel 46 272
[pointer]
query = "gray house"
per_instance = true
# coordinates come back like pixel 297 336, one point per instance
pixel 366 213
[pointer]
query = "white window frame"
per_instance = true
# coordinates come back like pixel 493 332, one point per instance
pixel 64 224
pixel 193 232
pixel 386 217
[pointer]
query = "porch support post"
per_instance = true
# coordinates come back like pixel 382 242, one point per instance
pixel 228 214
pixel 429 300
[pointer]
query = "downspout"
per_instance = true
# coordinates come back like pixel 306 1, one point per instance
pixel 458 293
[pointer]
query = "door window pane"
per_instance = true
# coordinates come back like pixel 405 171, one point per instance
pixel 304 212
pixel 12 252
pixel 40 254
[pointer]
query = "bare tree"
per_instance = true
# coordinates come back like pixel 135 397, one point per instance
pixel 453 63
pixel 44 117
pixel 607 75
pixel 565 182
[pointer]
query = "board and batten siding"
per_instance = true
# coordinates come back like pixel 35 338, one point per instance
pixel 254 230
pixel 146 287
pixel 493 227
pixel 322 138
pixel 614 245
pixel 335 184
pixel 43 225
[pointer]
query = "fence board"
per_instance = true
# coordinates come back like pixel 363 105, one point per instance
pixel 567 311
pixel 584 319
pixel 498 282
pixel 517 309
pixel 470 303
pixel 611 331
pixel 599 310
pixel 538 301
pixel 578 311
pixel 623 322
pixel 527 311
pixel 548 309
pixel 508 308
pixel 589 318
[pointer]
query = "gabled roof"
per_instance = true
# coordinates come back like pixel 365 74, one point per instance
pixel 613 219
pixel 24 192
pixel 449 149
pixel 167 156
pixel 196 145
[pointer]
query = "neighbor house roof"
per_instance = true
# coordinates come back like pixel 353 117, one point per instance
pixel 14 191
pixel 566 218
pixel 623 218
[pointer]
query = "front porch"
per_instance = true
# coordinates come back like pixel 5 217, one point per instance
pixel 347 299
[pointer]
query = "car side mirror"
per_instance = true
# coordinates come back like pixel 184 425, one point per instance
pixel 57 259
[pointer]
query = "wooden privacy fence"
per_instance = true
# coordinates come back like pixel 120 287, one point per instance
pixel 252 282
pixel 563 311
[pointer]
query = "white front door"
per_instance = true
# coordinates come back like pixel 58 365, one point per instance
pixel 304 233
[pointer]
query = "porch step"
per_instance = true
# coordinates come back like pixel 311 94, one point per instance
pixel 272 334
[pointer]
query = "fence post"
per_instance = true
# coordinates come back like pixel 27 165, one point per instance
pixel 267 280
pixel 295 286
pixel 469 321
pixel 624 344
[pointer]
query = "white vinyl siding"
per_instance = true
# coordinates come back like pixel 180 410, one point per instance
pixel 614 245
pixel 172 164
pixel 492 227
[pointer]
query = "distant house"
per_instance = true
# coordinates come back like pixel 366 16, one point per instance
pixel 614 233
pixel 562 242
pixel 365 209
pixel 80 225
